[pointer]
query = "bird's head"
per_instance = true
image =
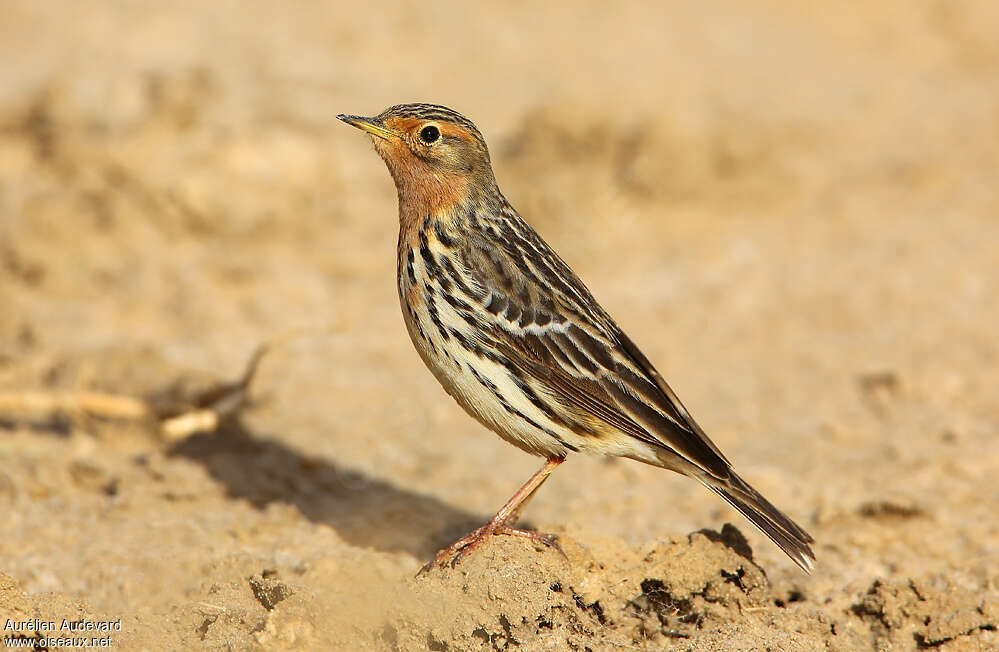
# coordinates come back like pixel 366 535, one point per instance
pixel 437 157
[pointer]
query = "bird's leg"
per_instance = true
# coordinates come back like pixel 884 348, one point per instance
pixel 514 515
pixel 502 522
pixel 510 512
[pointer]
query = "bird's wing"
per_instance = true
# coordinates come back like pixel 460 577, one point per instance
pixel 536 314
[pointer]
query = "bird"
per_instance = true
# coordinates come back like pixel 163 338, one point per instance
pixel 517 339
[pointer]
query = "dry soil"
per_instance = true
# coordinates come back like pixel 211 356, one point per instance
pixel 791 207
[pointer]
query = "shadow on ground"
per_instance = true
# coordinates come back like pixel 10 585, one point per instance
pixel 365 511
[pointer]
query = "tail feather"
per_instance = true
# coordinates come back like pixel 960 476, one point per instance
pixel 787 534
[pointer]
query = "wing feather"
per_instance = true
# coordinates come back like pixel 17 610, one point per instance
pixel 540 317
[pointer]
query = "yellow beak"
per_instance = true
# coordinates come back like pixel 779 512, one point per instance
pixel 371 125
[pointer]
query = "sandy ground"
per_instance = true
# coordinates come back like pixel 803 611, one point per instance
pixel 794 212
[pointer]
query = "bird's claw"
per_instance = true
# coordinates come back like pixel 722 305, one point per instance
pixel 456 552
pixel 546 540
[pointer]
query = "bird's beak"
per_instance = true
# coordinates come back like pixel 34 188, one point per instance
pixel 373 126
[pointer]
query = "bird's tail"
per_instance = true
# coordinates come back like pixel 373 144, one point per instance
pixel 787 534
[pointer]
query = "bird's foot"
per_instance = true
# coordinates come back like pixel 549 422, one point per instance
pixel 457 551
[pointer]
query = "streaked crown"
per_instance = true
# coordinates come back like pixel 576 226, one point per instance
pixel 430 112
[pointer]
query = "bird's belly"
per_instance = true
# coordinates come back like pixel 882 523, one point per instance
pixel 481 386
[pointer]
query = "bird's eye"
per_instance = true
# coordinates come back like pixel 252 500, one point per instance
pixel 430 134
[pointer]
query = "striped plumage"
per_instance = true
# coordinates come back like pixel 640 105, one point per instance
pixel 517 339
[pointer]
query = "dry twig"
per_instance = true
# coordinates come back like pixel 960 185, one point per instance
pixel 205 411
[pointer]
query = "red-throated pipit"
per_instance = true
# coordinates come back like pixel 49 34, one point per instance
pixel 517 339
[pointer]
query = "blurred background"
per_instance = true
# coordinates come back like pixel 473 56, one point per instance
pixel 791 207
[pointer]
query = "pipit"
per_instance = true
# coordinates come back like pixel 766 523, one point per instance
pixel 517 339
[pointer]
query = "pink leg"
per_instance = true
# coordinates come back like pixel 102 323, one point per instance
pixel 501 523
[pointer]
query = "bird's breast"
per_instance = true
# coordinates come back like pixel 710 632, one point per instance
pixel 443 316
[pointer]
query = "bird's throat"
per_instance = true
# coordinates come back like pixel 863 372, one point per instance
pixel 425 190
pixel 437 195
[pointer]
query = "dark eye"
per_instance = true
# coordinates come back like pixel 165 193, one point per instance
pixel 430 134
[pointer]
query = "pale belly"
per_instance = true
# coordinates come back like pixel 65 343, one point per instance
pixel 483 387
